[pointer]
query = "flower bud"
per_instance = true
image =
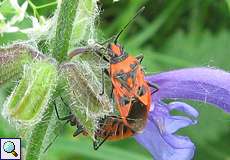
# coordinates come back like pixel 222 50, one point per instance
pixel 83 26
pixel 13 58
pixel 84 88
pixel 29 99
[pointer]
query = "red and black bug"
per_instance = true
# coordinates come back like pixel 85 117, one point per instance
pixel 131 91
pixel 110 128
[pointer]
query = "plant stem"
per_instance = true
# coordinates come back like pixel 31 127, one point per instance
pixel 59 46
pixel 64 28
pixel 46 5
pixel 34 145
pixel 34 8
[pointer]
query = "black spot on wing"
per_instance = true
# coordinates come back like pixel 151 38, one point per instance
pixel 124 101
pixel 141 91
pixel 125 129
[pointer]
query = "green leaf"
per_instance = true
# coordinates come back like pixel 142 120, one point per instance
pixel 83 146
pixel 124 16
pixel 6 8
pixel 154 26
pixel 202 49
pixel 228 3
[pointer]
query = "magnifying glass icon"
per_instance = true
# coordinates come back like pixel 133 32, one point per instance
pixel 9 147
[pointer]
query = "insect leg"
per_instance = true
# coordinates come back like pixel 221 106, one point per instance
pixel 103 71
pixel 111 93
pixel 79 130
pixel 97 144
pixel 108 40
pixel 68 117
pixel 140 58
pixel 106 72
pixel 155 87
pixel 102 82
pixel 101 55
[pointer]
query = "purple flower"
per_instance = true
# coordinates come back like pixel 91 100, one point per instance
pixel 202 84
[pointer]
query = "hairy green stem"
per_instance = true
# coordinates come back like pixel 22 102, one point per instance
pixel 83 27
pixel 34 148
pixel 66 17
pixel 59 47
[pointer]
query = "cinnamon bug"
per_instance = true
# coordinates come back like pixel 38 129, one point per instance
pixel 132 93
pixel 110 128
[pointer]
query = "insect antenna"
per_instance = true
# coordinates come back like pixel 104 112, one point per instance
pixel 130 21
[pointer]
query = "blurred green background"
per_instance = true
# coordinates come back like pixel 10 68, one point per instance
pixel 170 34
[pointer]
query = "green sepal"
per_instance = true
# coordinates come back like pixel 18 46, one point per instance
pixel 12 59
pixel 26 104
pixel 83 27
pixel 84 88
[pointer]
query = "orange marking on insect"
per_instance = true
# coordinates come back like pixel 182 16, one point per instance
pixel 130 88
pixel 116 49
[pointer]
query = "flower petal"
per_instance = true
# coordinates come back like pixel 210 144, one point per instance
pixel 183 107
pixel 158 145
pixel 203 84
pixel 12 29
pixel 24 6
pixel 174 123
pixel 14 4
pixel 158 135
pixel 161 116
